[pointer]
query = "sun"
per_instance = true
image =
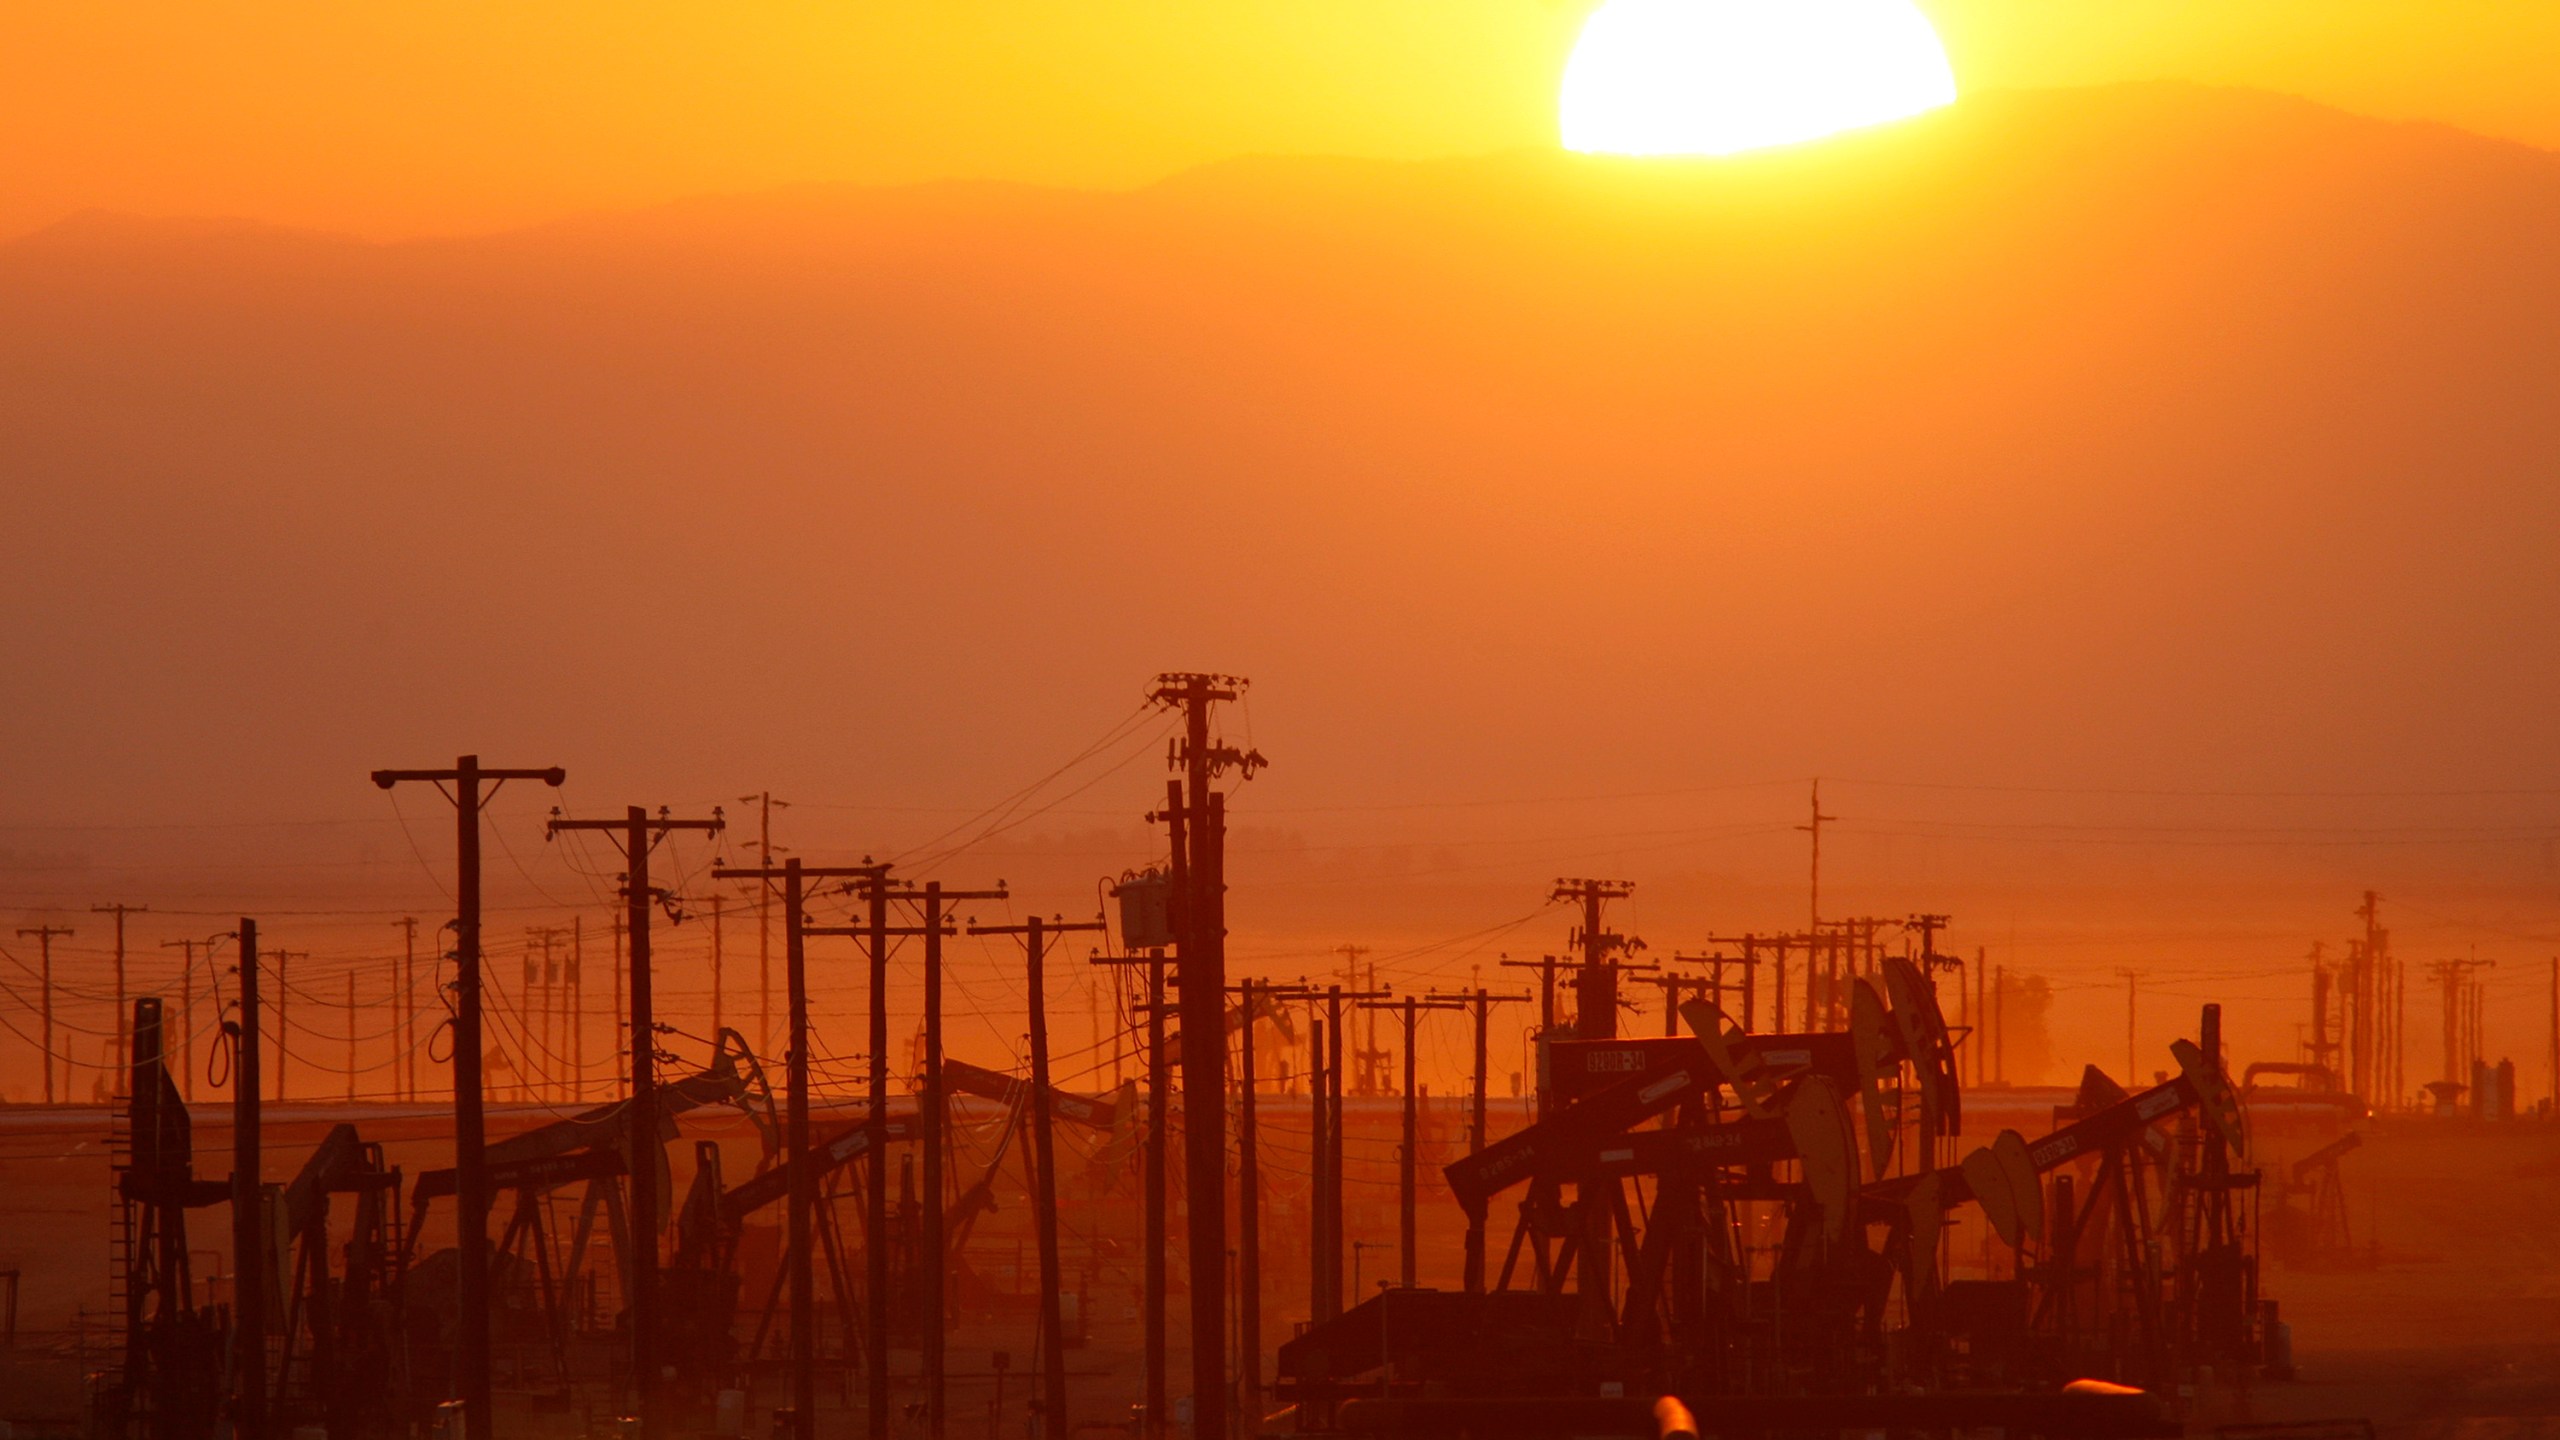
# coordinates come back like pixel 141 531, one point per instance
pixel 1713 77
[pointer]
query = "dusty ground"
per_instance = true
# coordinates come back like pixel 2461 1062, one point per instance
pixel 2453 1335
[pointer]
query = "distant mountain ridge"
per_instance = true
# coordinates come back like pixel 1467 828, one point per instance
pixel 2146 431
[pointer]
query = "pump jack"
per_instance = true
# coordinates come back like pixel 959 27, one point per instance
pixel 586 1148
pixel 171 1384
pixel 1753 1120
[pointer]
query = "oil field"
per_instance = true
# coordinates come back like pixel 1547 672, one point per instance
pixel 1765 1182
pixel 1279 719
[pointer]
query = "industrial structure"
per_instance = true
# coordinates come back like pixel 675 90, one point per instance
pixel 1783 1212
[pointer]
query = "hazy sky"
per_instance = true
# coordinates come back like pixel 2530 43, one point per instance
pixel 402 117
pixel 2136 501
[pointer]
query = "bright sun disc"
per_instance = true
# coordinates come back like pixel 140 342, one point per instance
pixel 1712 77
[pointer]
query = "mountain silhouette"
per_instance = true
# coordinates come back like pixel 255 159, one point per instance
pixel 2155 433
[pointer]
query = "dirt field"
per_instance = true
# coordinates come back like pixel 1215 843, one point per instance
pixel 2454 1331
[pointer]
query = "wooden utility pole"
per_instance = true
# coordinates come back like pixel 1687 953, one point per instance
pixel 1255 995
pixel 186 1018
pixel 621 1013
pixel 43 936
pixel 284 996
pixel 405 1023
pixel 1035 935
pixel 1409 1010
pixel 876 891
pixel 931 1129
pixel 578 1001
pixel 1595 981
pixel 1320 1301
pixel 351 1035
pixel 765 806
pixel 248 1232
pixel 1328 1198
pixel 123 1054
pixel 636 834
pixel 1200 932
pixel 470 1127
pixel 1546 966
pixel 1596 1018
pixel 1999 1025
pixel 1814 910
pixel 800 1176
pixel 1151 1301
pixel 1482 1004
pixel 546 972
pixel 2132 1056
pixel 719 1016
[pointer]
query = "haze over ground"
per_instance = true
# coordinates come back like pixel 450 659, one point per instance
pixel 2135 500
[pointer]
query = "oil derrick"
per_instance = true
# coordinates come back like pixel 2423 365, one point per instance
pixel 171 1382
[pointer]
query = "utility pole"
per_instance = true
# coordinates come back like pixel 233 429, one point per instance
pixel 284 997
pixel 799 1176
pixel 123 1058
pixel 407 1021
pixel 719 1017
pixel 1200 937
pixel 351 1034
pixel 1321 1303
pixel 1410 1010
pixel 1035 935
pixel 931 1127
pixel 637 833
pixel 1815 830
pixel 470 1126
pixel 43 936
pixel 1595 980
pixel 1366 1057
pixel 248 1233
pixel 186 1018
pixel 1329 1171
pixel 578 1001
pixel 544 938
pixel 622 1013
pixel 765 806
pixel 1482 1003
pixel 2000 1026
pixel 1596 1018
pixel 876 890
pixel 2132 1057
pixel 1151 1303
pixel 1254 995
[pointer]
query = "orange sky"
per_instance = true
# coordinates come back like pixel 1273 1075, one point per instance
pixel 401 117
